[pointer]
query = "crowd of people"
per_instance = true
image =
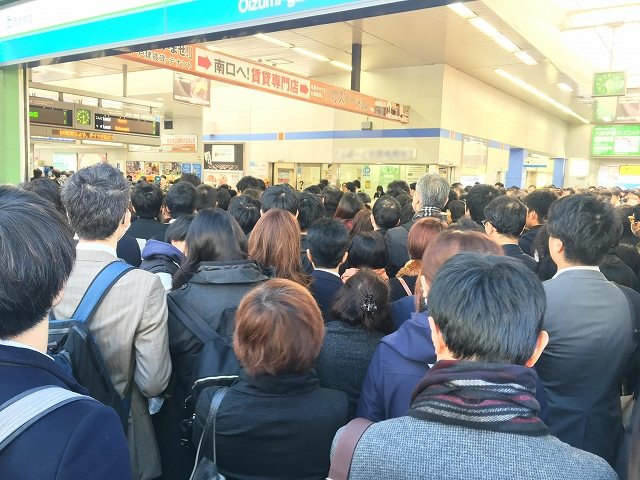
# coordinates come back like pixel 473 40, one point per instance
pixel 434 331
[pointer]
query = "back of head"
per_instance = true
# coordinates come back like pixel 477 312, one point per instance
pixel 46 189
pixel 451 242
pixel 279 329
pixel 248 182
pixel 331 197
pixel 465 223
pixel 361 223
pixel 254 193
pixel 422 233
pixel 246 211
pixel 96 199
pixel 508 215
pixel 214 236
pixel 181 199
pixel 351 187
pixel 310 209
pixel 367 249
pixel 433 190
pixel 315 189
pixel 398 187
pixel 457 208
pixel 488 308
pixel 478 198
pixel 206 197
pixel 37 254
pixel 349 205
pixel 224 198
pixel 404 199
pixel 386 212
pixel 323 183
pixel 147 199
pixel 280 196
pixel 328 239
pixel 189 178
pixel 587 226
pixel 540 201
pixel 364 196
pixel 177 231
pixel 364 301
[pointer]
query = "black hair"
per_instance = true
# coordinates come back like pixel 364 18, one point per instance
pixel 489 308
pixel 398 187
pixel 280 196
pixel 499 185
pixel 191 178
pixel 37 173
pixel 539 201
pixel 356 183
pixel 233 193
pixel 349 205
pixel 508 215
pixel 464 223
pixel 331 197
pixel 96 199
pixel 386 212
pixel 247 182
pixel 310 209
pixel 364 196
pixel 457 209
pixel 214 236
pixel 588 227
pixel 48 190
pixel 37 253
pixel 478 198
pixel 177 231
pixel 246 211
pixel 181 199
pixel 147 199
pixel 406 214
pixel 412 186
pixel 313 189
pixel 404 199
pixel 327 239
pixel 364 301
pixel 350 186
pixel 206 197
pixel 323 183
pixel 546 267
pixel 367 249
pixel 224 198
pixel 254 193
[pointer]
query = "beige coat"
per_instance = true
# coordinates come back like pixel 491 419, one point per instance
pixel 130 327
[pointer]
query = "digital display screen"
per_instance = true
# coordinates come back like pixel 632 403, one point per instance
pixel 134 126
pixel 50 116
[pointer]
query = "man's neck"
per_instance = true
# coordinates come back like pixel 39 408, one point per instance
pixel 35 338
pixel 335 271
pixel 111 242
pixel 505 240
pixel 564 264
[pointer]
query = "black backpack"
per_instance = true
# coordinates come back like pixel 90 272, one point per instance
pixel 75 350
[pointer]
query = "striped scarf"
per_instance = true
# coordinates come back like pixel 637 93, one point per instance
pixel 484 396
pixel 434 212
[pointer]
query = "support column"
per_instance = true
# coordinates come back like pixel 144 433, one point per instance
pixel 356 66
pixel 558 171
pixel 13 149
pixel 515 173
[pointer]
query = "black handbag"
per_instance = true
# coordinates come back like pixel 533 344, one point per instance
pixel 206 469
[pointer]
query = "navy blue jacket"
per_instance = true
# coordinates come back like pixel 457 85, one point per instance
pixel 83 439
pixel 324 287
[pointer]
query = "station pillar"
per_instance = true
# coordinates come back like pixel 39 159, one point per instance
pixel 515 173
pixel 13 128
pixel 558 171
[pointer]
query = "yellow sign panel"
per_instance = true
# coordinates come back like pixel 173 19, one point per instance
pixel 630 170
pixel 83 135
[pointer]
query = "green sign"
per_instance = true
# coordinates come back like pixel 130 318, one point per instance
pixel 609 84
pixel 615 141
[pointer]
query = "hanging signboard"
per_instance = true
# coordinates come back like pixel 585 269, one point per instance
pixel 615 140
pixel 179 143
pixel 628 109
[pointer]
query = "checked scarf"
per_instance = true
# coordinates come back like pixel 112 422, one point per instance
pixel 484 396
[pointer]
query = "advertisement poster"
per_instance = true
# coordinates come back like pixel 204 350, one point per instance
pixel 615 140
pixel 191 89
pixel 151 168
pixel 133 169
pixel 215 178
pixel 179 143
pixel 172 170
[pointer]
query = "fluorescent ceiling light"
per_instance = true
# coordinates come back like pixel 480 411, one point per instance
pixel 525 58
pixel 341 65
pixel 564 87
pixel 212 48
pixel 490 31
pixel 596 17
pixel 462 10
pixel 273 40
pixel 307 53
pixel 542 96
pixel 49 68
pixel 107 144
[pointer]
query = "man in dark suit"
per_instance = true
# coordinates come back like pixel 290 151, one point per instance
pixel 538 203
pixel 432 193
pixel 590 326
pixel 504 220
pixel 83 438
pixel 328 240
pixel 147 199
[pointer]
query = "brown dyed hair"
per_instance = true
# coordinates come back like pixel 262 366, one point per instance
pixel 275 241
pixel 361 223
pixel 447 244
pixel 279 329
pixel 422 233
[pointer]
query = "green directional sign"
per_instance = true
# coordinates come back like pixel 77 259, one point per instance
pixel 608 84
pixel 615 141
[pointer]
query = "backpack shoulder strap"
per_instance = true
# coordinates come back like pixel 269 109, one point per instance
pixel 191 319
pixel 22 411
pixel 98 288
pixel 405 286
pixel 346 446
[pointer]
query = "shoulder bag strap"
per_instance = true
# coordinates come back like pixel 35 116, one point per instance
pixel 405 286
pixel 346 446
pixel 22 411
pixel 210 426
pixel 98 288
pixel 190 318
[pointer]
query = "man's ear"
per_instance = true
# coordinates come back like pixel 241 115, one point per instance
pixel 437 339
pixel 541 343
pixel 58 298
pixel 489 229
pixel 556 246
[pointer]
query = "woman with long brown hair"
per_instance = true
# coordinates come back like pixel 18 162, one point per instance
pixel 275 242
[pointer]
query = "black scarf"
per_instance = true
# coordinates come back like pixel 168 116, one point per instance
pixel 484 396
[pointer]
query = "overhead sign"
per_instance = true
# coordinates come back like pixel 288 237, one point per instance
pixel 629 170
pixel 615 140
pixel 179 143
pixel 237 71
pixel 191 89
pixel 106 137
pixel 609 84
pixel 628 109
pixel 65 27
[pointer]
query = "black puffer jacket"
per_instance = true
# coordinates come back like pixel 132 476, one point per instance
pixel 215 288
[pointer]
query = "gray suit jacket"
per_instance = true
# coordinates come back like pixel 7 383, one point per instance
pixel 130 327
pixel 590 326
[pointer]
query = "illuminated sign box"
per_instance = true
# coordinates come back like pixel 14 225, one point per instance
pixel 615 141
